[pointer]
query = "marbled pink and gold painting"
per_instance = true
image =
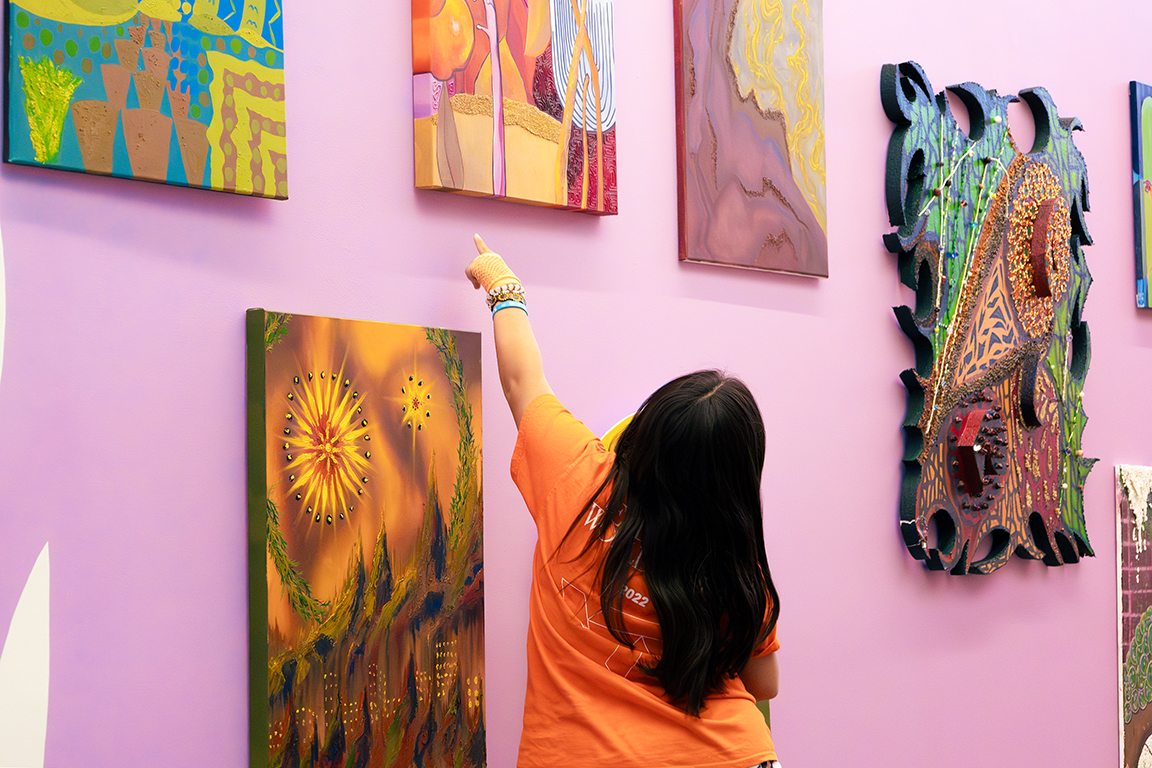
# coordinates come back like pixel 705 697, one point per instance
pixel 750 134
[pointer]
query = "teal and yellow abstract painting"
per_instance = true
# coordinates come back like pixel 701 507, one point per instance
pixel 184 92
pixel 366 552
pixel 1140 101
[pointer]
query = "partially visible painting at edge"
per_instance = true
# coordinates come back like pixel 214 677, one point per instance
pixel 1140 104
pixel 1134 611
pixel 750 134
pixel 365 544
pixel 180 93
pixel 535 124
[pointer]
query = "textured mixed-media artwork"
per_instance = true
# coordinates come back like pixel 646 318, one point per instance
pixel 365 544
pixel 183 92
pixel 1134 572
pixel 750 134
pixel 1140 103
pixel 534 124
pixel 989 236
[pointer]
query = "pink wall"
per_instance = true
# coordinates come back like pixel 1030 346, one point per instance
pixel 122 394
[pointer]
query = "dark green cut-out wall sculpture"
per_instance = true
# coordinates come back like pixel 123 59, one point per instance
pixel 989 236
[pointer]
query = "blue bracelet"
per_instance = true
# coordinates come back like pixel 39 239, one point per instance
pixel 507 304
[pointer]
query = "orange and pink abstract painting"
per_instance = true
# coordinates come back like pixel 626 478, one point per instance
pixel 535 123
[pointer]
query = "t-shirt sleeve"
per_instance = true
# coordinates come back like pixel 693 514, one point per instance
pixel 550 443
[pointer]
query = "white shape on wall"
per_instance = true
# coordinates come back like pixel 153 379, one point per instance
pixel 24 675
pixel 1138 485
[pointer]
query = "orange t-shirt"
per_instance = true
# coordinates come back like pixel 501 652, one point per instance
pixel 588 702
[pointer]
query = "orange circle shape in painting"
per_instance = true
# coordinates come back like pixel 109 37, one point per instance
pixel 452 36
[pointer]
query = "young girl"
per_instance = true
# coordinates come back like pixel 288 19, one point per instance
pixel 652 615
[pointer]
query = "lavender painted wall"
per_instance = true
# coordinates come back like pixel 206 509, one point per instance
pixel 122 397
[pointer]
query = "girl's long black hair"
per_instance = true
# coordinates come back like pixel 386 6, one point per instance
pixel 686 480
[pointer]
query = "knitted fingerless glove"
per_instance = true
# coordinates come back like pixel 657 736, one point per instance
pixel 499 282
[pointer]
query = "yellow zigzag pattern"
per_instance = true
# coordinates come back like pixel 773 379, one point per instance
pixel 247 133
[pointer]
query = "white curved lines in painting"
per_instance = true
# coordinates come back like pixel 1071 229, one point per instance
pixel 598 19
pixel 24 675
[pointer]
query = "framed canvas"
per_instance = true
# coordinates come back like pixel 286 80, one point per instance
pixel 1134 611
pixel 1140 107
pixel 750 134
pixel 990 236
pixel 365 544
pixel 535 124
pixel 169 91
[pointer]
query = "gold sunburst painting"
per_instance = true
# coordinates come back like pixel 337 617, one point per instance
pixel 365 543
pixel 750 134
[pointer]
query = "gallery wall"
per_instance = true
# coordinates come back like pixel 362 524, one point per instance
pixel 122 421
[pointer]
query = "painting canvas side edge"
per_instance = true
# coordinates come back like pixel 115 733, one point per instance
pixel 1120 611
pixel 7 77
pixel 681 142
pixel 257 544
pixel 1134 98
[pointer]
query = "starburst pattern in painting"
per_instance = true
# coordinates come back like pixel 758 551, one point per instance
pixel 416 402
pixel 326 445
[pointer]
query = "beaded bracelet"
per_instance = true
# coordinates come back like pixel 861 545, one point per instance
pixel 509 292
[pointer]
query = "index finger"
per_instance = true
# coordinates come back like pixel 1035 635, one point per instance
pixel 480 246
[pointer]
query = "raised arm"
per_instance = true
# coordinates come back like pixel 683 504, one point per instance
pixel 517 354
